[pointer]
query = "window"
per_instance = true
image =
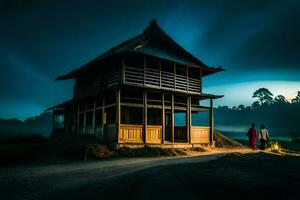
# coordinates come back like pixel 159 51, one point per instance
pixel 200 118
pixel 154 116
pixel 98 118
pixel 131 115
pixel 179 119
pixel 89 118
pixel 111 115
pixel 59 121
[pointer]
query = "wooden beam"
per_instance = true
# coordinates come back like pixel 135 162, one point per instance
pixel 172 115
pixel 174 76
pixel 145 117
pixel 163 119
pixel 123 70
pixel 211 121
pixel 118 112
pixel 188 119
pixel 187 78
pixel 159 72
pixel 145 68
pixel 200 81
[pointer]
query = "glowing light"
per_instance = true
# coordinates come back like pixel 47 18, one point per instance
pixel 275 147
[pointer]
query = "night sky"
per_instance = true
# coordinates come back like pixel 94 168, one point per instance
pixel 256 41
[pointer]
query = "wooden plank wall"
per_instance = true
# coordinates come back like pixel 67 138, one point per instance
pixel 200 134
pixel 129 133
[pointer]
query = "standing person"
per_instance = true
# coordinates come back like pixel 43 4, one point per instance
pixel 263 137
pixel 252 134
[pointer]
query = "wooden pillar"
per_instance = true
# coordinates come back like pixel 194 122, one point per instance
pixel 187 78
pixel 78 118
pixel 145 117
pixel 84 123
pixel 118 111
pixel 174 75
pixel 188 119
pixel 103 111
pixel 160 73
pixel 145 64
pixel 172 113
pixel 123 70
pixel 94 118
pixel 200 81
pixel 163 119
pixel 211 120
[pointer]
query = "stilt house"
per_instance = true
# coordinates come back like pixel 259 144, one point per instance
pixel 145 91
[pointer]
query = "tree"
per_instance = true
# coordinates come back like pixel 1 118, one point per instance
pixel 234 108
pixel 241 107
pixel 255 105
pixel 264 96
pixel 280 99
pixel 297 98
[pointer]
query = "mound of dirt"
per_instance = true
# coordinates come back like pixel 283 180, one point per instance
pixel 225 142
pixel 149 152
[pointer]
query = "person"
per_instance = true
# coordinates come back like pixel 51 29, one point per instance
pixel 252 134
pixel 263 137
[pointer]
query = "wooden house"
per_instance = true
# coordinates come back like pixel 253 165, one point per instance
pixel 145 91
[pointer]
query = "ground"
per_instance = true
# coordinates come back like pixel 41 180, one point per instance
pixel 213 175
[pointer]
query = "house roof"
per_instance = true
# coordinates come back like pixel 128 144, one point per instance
pixel 154 42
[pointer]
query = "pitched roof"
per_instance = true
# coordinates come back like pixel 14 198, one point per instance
pixel 154 42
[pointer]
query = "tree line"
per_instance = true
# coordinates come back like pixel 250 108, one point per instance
pixel 264 98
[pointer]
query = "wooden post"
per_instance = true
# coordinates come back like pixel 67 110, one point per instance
pixel 187 78
pixel 211 121
pixel 103 111
pixel 200 81
pixel 188 119
pixel 94 118
pixel 123 70
pixel 145 117
pixel 118 112
pixel 174 76
pixel 159 73
pixel 172 115
pixel 78 118
pixel 163 119
pixel 145 58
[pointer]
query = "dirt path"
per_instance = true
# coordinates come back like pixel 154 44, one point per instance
pixel 57 181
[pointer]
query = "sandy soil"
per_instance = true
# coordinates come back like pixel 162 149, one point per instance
pixel 215 175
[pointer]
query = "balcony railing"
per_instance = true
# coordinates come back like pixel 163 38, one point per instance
pixel 150 77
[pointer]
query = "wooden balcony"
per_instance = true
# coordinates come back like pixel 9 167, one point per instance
pixel 154 78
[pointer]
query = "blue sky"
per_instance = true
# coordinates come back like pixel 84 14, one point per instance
pixel 257 42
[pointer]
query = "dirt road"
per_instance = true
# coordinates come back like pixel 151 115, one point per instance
pixel 146 178
pixel 75 179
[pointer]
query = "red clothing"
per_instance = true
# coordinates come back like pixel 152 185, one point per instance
pixel 252 134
